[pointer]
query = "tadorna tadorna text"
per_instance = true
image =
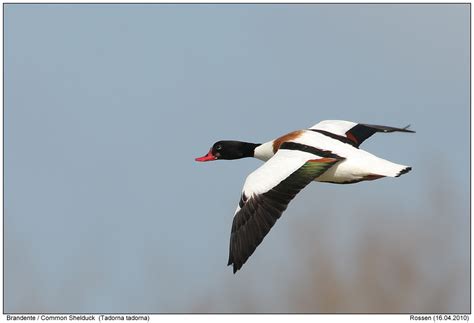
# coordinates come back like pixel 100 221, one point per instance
pixel 326 152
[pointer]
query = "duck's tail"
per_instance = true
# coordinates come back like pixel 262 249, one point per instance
pixel 390 169
pixel 404 170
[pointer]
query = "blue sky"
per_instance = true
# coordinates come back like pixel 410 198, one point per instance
pixel 106 107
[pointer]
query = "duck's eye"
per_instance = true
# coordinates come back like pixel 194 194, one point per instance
pixel 218 147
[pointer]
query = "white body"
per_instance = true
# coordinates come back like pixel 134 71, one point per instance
pixel 357 164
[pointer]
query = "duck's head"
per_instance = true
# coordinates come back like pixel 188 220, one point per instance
pixel 229 149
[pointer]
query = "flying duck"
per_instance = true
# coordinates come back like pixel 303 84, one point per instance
pixel 327 152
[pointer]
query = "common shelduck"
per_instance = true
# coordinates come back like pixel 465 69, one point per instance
pixel 326 152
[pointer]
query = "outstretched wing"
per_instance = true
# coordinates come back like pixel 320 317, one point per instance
pixel 266 194
pixel 351 132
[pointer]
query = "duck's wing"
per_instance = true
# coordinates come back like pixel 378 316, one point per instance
pixel 351 132
pixel 267 192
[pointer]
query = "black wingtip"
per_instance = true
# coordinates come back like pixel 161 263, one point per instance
pixel 408 130
pixel 234 267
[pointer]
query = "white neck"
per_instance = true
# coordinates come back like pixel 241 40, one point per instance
pixel 264 151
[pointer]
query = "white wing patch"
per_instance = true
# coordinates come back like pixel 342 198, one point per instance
pixel 337 127
pixel 275 170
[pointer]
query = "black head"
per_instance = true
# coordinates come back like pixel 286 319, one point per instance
pixel 229 149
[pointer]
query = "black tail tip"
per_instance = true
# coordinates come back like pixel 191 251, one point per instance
pixel 404 171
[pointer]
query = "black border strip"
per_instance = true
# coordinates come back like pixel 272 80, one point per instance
pixel 337 137
pixel 309 149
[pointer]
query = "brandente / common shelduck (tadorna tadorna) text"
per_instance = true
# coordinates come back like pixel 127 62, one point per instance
pixel 326 152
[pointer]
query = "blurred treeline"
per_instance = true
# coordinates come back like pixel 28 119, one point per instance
pixel 389 259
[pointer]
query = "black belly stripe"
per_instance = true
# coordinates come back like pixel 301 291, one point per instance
pixel 309 149
pixel 337 137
